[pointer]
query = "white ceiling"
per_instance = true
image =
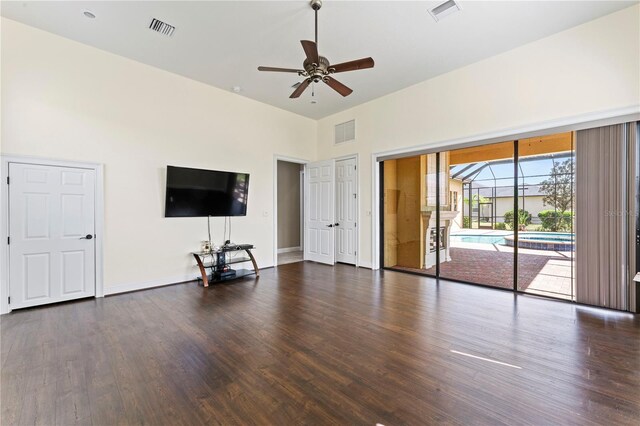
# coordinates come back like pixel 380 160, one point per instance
pixel 221 43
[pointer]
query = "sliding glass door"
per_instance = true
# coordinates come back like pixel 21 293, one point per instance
pixel 546 196
pixel 499 215
pixel 474 228
pixel 408 195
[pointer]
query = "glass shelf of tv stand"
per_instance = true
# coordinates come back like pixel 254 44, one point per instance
pixel 229 261
pixel 210 262
pixel 225 250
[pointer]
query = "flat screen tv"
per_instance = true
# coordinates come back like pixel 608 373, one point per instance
pixel 197 192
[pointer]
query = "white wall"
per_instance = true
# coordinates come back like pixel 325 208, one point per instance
pixel 590 68
pixel 64 100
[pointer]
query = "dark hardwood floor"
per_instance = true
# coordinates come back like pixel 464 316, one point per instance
pixel 312 344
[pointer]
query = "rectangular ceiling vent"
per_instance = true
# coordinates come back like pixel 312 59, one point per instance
pixel 444 9
pixel 161 27
pixel 345 132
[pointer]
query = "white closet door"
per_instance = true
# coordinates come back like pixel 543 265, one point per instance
pixel 346 203
pixel 51 231
pixel 319 211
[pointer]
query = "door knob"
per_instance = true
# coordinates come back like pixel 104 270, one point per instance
pixel 330 225
pixel 87 237
pixel 336 224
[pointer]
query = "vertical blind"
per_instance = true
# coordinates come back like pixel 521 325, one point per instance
pixel 604 206
pixel 633 197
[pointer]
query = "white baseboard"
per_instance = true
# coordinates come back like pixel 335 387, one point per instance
pixel 142 285
pixel 367 265
pixel 125 287
pixel 289 249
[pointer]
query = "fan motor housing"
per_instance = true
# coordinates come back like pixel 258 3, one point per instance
pixel 316 73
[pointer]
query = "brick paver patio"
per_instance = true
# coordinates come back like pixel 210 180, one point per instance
pixel 539 271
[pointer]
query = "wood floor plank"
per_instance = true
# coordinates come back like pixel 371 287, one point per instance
pixel 312 344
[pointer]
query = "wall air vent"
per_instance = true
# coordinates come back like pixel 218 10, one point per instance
pixel 345 132
pixel 161 27
pixel 444 9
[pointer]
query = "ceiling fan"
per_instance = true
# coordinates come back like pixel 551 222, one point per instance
pixel 317 68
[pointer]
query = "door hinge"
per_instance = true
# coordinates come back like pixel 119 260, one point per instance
pixel 355 167
pixel 9 300
pixel 8 240
pixel 7 180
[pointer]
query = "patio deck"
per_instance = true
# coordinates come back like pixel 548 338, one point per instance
pixel 540 272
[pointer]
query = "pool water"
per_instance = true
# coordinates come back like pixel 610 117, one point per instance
pixel 478 239
pixel 560 237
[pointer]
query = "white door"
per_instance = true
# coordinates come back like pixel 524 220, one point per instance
pixel 346 202
pixel 319 238
pixel 51 234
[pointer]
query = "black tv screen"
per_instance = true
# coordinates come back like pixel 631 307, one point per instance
pixel 196 192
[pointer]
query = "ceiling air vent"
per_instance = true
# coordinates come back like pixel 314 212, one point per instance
pixel 444 9
pixel 345 132
pixel 161 27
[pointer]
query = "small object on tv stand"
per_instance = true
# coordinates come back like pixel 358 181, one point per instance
pixel 226 274
pixel 216 266
pixel 220 259
pixel 228 245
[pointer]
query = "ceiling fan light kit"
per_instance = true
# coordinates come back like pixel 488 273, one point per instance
pixel 317 68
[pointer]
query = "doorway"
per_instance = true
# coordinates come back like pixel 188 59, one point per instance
pixel 485 216
pixel 331 211
pixel 290 238
pixel 54 212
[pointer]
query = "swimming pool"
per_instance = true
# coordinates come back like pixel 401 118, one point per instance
pixel 478 239
pixel 557 241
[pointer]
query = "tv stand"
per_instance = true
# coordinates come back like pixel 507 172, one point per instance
pixel 213 265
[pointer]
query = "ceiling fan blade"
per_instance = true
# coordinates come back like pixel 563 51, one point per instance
pixel 296 93
pixel 337 86
pixel 311 50
pixel 279 69
pixel 358 64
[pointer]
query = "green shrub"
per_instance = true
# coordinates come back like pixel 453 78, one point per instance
pixel 500 226
pixel 524 219
pixel 466 222
pixel 555 221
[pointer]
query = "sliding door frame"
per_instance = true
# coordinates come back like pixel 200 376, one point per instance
pixel 438 242
pixel 634 293
pixel 516 225
pixel 516 209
